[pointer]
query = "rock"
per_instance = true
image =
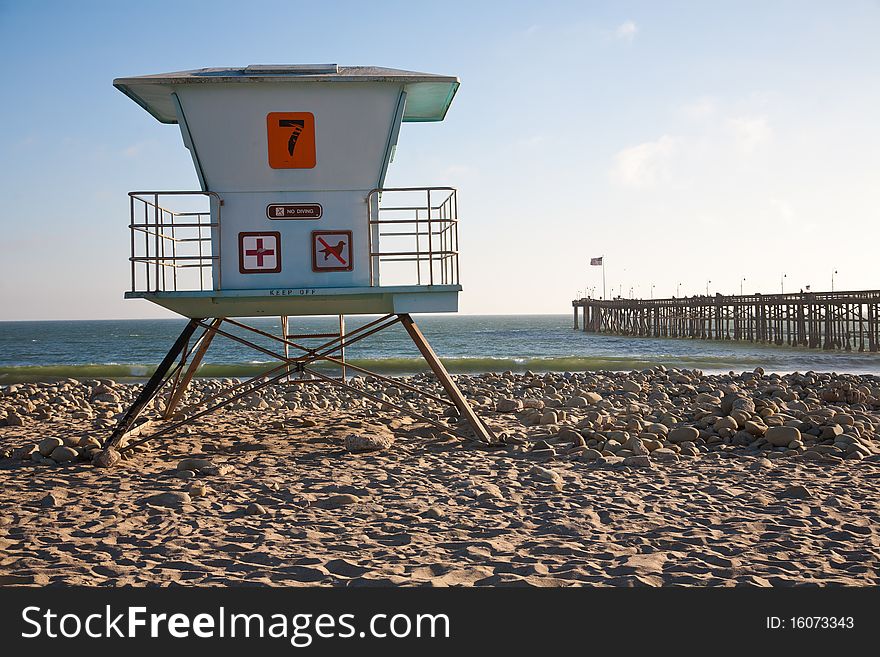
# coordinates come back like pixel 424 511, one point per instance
pixel 106 458
pixel 637 447
pixel 198 490
pixel 217 470
pixel 369 442
pixel 830 432
pixel 545 474
pixel 55 498
pixel 89 441
pixel 811 455
pixel 255 509
pixel 24 453
pixel 591 455
pixel 664 455
pixel 796 492
pixel 638 461
pixel 548 417
pixel 683 434
pixel 569 435
pixel 48 445
pixel 761 464
pixel 508 405
pixel 14 420
pixel 782 436
pixel 434 512
pixel 64 454
pixel 183 474
pixel 592 397
pixel 631 386
pixel 726 422
pixel 170 499
pixel 756 429
pixel 194 464
pixel 336 501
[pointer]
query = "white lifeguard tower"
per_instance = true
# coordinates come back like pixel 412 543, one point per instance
pixel 292 219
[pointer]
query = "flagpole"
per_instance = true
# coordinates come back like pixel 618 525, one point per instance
pixel 604 298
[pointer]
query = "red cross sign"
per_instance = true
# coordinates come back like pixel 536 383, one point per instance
pixel 259 253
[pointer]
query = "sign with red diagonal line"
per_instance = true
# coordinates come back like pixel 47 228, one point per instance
pixel 331 250
pixel 259 253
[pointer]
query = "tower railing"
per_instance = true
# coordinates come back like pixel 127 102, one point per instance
pixel 413 236
pixel 167 245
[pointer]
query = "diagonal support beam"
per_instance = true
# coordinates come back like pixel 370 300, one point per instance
pixel 483 432
pixel 181 386
pixel 152 386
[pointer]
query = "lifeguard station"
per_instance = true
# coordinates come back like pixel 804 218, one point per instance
pixel 292 219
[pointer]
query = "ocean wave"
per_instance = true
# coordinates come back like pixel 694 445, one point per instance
pixel 400 366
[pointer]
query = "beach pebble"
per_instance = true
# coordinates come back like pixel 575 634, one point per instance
pixel 220 470
pixel 592 397
pixel 48 445
pixel 170 499
pixel 637 447
pixel 434 512
pixel 106 458
pixel 336 501
pixel 591 454
pixel 368 442
pixel 24 453
pixel 64 454
pixel 194 464
pixel 53 499
pixel 638 461
pixel 753 428
pixel 14 420
pixel 683 434
pixel 198 489
pixel 89 441
pixel 782 436
pixel 664 455
pixel 545 473
pixel 508 405
pixel 631 386
pixel 254 509
pixel 549 417
pixel 796 491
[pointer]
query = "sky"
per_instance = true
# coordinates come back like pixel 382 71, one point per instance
pixel 691 144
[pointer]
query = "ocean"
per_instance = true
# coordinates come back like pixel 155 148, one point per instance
pixel 129 349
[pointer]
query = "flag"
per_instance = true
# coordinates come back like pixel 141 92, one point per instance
pixel 596 261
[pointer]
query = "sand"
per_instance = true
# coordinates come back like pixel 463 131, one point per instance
pixel 281 502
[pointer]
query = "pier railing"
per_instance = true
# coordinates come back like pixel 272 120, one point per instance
pixel 817 320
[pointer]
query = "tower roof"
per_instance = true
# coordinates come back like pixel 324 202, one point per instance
pixel 428 95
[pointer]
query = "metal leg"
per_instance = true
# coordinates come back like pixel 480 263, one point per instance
pixel 483 432
pixel 180 388
pixel 152 386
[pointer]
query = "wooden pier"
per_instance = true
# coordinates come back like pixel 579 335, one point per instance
pixel 817 320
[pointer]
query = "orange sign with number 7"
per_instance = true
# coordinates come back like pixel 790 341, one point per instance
pixel 291 140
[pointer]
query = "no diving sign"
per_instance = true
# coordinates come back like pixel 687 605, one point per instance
pixel 331 250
